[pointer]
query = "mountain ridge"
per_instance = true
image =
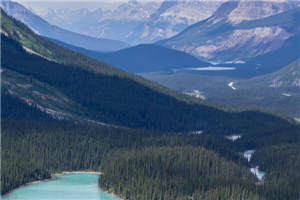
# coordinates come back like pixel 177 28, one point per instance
pixel 40 26
pixel 126 102
pixel 216 39
pixel 277 91
pixel 143 58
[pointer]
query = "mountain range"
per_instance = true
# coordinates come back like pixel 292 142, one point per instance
pixel 239 31
pixel 42 27
pixel 134 22
pixel 143 58
pixel 67 85
pixel 261 57
pixel 62 110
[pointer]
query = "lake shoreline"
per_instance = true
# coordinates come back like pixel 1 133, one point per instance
pixel 76 172
pixel 55 176
pixel 28 184
pixel 112 194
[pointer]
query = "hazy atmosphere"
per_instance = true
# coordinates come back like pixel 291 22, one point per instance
pixel 150 100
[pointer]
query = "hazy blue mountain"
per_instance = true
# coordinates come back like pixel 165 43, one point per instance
pixel 41 27
pixel 77 20
pixel 143 58
pixel 239 31
pixel 134 21
pixel 122 23
pixel 172 17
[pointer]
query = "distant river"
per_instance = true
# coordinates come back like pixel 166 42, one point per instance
pixel 64 187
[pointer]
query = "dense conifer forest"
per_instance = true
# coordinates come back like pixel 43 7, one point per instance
pixel 281 164
pixel 175 173
pixel 129 104
pixel 196 173
pixel 34 150
pixel 154 146
pixel 139 164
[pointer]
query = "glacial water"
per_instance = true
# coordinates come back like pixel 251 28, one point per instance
pixel 64 187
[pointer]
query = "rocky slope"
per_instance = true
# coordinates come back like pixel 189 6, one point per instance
pixel 238 31
pixel 174 16
pixel 106 94
pixel 134 21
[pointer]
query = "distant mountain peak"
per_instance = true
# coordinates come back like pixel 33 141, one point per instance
pixel 237 11
pixel 42 27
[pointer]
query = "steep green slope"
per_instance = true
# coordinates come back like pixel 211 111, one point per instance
pixel 16 109
pixel 112 96
pixel 38 94
pixel 124 102
pixel 47 49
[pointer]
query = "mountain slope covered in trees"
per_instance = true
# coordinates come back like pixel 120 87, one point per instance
pixel 183 154
pixel 175 173
pixel 277 91
pixel 126 102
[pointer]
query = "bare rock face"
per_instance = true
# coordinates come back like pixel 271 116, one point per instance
pixel 134 21
pixel 174 16
pixel 251 10
pixel 234 33
pixel 271 37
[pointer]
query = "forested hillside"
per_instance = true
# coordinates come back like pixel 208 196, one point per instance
pixel 33 150
pixel 108 95
pixel 277 91
pixel 195 173
pixel 176 173
pixel 281 164
pixel 153 144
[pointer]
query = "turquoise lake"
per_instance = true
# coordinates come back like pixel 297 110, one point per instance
pixel 64 187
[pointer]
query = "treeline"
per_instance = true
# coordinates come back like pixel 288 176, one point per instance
pixel 171 173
